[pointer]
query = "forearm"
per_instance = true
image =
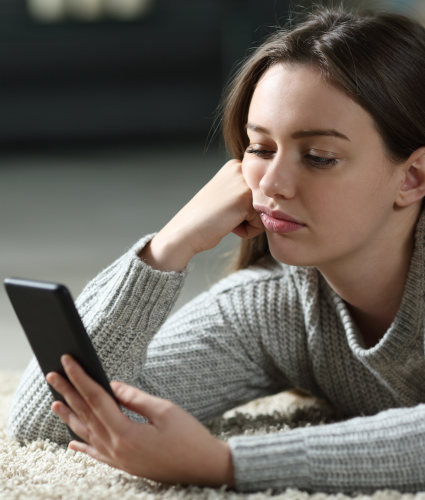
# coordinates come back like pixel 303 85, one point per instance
pixel 385 451
pixel 129 296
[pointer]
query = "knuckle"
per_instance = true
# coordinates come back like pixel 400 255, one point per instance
pixel 115 453
pixel 87 436
pixel 81 414
pixel 166 410
pixel 62 387
pixel 92 398
pixel 232 165
pixel 119 446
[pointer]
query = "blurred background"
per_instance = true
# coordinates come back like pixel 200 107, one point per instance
pixel 106 111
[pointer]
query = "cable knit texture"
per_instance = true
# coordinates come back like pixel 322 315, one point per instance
pixel 255 333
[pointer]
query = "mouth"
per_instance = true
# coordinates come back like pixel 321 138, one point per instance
pixel 277 221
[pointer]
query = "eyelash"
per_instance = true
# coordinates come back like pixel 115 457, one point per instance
pixel 327 162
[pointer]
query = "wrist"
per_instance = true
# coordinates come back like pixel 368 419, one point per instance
pixel 165 253
pixel 219 469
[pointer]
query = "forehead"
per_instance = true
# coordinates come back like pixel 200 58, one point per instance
pixel 298 96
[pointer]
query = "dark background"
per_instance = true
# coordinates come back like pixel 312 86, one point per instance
pixel 160 75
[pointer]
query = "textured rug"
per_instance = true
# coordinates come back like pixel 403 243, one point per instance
pixel 44 470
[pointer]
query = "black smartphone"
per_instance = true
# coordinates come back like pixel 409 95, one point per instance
pixel 53 327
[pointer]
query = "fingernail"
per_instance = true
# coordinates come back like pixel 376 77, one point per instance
pixel 65 359
pixel 117 387
pixel 56 409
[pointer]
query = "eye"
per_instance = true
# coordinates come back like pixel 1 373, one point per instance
pixel 262 153
pixel 320 162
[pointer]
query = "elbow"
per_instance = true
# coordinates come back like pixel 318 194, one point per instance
pixel 28 426
pixel 16 428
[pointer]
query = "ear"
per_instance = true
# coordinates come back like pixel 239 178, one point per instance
pixel 412 184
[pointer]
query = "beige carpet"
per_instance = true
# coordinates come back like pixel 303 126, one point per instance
pixel 43 470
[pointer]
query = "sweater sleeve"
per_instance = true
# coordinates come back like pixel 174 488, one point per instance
pixel 122 309
pixel 201 359
pixel 363 454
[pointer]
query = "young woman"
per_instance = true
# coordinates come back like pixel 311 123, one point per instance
pixel 326 123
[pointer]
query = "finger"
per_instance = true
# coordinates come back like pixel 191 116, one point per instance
pixel 139 401
pixel 71 420
pixel 94 439
pixel 91 451
pixel 78 414
pixel 71 396
pixel 98 400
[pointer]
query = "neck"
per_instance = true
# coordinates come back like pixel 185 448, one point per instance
pixel 372 281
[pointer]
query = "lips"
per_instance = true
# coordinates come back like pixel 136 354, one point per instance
pixel 277 221
pixel 276 214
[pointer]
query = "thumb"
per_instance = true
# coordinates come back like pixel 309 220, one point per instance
pixel 246 231
pixel 138 401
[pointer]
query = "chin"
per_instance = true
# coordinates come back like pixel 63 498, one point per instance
pixel 288 251
pixel 290 260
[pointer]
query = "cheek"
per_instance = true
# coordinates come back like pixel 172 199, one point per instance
pixel 339 197
pixel 345 214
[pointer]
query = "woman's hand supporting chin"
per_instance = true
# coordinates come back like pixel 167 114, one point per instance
pixel 222 206
pixel 173 447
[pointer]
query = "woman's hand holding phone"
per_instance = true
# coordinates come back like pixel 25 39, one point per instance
pixel 173 448
pixel 222 206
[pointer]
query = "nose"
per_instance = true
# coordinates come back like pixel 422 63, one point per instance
pixel 278 180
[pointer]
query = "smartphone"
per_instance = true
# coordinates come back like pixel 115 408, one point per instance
pixel 53 327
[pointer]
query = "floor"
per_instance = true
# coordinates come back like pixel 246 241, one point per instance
pixel 66 215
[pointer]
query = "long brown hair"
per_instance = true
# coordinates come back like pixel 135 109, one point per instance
pixel 377 58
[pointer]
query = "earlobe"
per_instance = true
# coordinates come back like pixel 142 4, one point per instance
pixel 412 187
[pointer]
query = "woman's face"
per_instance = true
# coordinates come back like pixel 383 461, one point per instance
pixel 315 155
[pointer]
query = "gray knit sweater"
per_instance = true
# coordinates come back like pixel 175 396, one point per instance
pixel 255 333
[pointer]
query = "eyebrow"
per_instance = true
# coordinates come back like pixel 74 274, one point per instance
pixel 299 134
